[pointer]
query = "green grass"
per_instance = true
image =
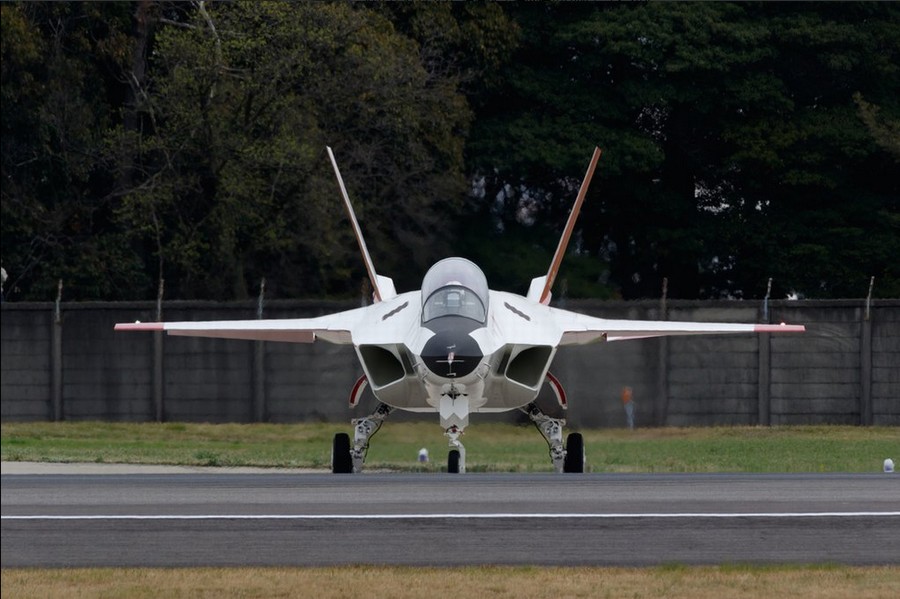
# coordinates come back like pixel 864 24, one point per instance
pixel 490 447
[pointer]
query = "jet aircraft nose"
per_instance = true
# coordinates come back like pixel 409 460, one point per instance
pixel 451 353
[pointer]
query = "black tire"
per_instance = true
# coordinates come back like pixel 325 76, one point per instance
pixel 574 454
pixel 453 462
pixel 341 463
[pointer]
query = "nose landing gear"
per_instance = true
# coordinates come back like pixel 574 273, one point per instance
pixel 456 460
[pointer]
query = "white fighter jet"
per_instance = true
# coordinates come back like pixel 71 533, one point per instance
pixel 455 347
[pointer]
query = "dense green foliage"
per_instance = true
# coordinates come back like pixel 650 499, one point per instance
pixel 186 141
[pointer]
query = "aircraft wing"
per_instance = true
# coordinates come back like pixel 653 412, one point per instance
pixel 580 328
pixel 334 328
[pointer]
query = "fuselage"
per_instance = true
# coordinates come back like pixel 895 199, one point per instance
pixel 461 341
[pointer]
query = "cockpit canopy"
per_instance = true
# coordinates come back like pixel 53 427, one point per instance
pixel 455 286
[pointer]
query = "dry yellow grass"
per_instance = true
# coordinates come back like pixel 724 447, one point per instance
pixel 671 582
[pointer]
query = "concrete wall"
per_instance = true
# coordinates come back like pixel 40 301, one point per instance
pixel 844 370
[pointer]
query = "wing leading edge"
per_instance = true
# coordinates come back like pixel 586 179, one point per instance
pixel 334 328
pixel 579 328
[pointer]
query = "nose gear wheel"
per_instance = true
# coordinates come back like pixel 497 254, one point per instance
pixel 456 460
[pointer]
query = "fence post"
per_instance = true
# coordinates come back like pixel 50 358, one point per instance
pixel 259 364
pixel 56 370
pixel 866 417
pixel 157 383
pixel 662 381
pixel 764 372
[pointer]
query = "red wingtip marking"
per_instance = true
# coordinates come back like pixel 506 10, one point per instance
pixel 139 326
pixel 779 328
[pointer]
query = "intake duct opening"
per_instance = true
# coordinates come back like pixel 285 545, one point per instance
pixel 382 366
pixel 528 365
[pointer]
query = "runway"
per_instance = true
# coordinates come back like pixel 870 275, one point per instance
pixel 192 518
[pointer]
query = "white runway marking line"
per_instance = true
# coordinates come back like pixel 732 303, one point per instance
pixel 499 516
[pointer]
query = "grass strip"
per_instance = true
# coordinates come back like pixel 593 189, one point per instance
pixel 400 582
pixel 490 447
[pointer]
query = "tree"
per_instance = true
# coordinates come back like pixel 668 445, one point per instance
pixel 59 85
pixel 185 141
pixel 242 100
pixel 734 150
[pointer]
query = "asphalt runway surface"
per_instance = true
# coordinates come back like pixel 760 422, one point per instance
pixel 158 517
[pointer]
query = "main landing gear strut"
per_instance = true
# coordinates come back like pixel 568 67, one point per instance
pixel 346 458
pixel 565 459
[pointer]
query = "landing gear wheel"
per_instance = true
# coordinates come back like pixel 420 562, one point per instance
pixel 341 462
pixel 453 462
pixel 574 453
